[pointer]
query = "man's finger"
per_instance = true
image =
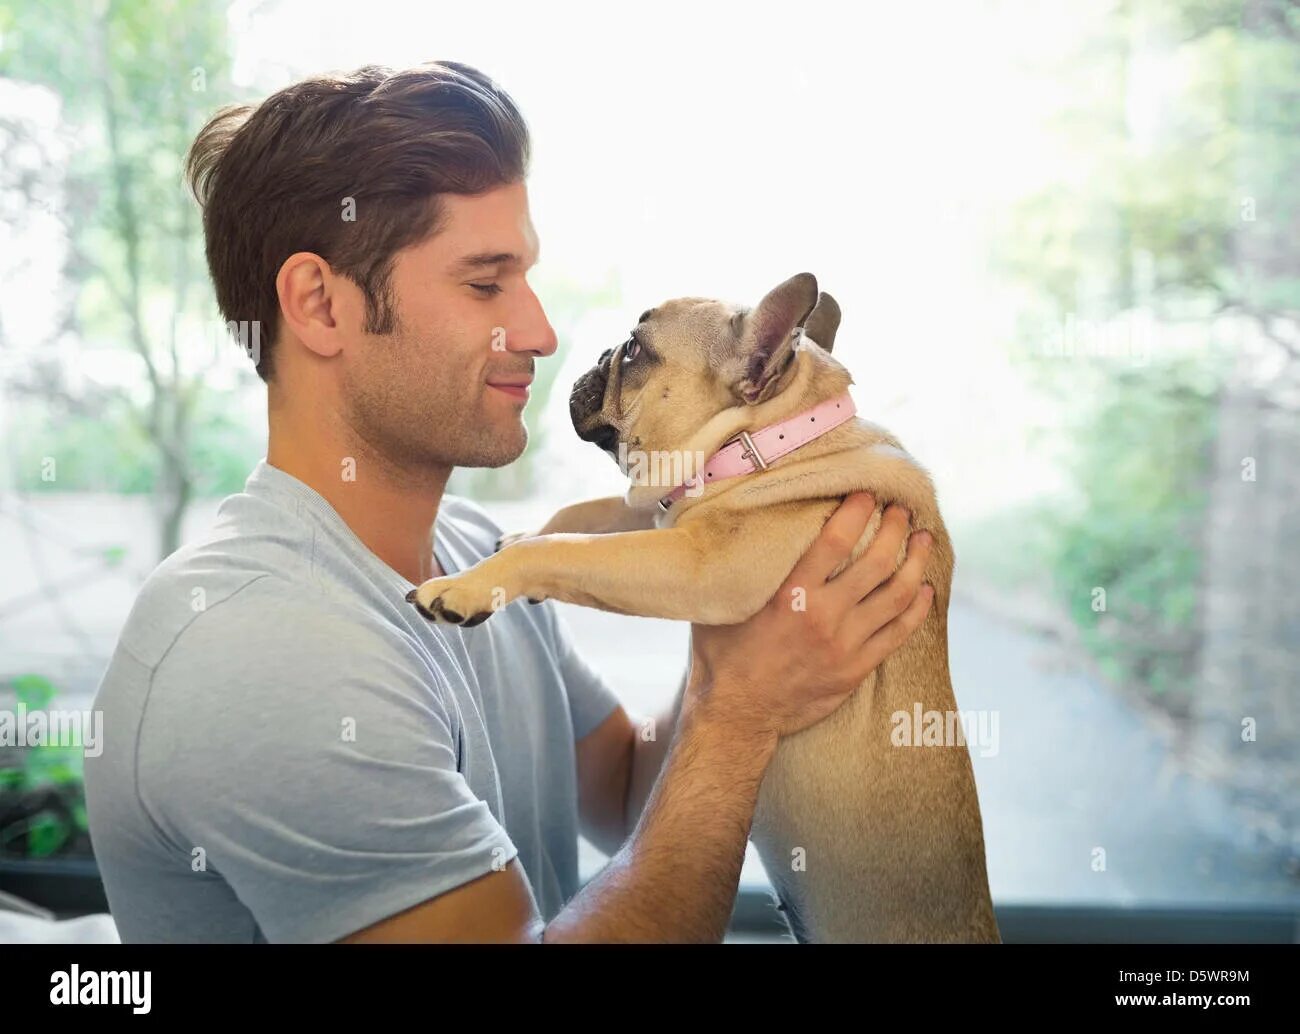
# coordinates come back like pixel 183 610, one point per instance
pixel 891 599
pixel 878 560
pixel 888 639
pixel 835 542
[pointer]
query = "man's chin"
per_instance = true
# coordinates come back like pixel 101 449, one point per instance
pixel 501 450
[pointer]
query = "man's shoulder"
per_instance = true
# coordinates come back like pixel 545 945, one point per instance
pixel 256 652
pixel 204 578
pixel 259 617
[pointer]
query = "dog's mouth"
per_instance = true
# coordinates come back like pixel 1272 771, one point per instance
pixel 603 436
pixel 585 404
pixel 584 409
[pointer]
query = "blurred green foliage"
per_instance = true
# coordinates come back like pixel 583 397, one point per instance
pixel 134 81
pixel 111 453
pixel 1132 526
pixel 1186 213
pixel 42 799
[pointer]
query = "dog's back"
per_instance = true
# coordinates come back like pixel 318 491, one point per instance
pixel 866 833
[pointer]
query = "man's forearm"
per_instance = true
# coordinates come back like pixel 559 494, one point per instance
pixel 648 753
pixel 675 879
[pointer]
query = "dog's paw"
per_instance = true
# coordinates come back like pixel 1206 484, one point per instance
pixel 458 600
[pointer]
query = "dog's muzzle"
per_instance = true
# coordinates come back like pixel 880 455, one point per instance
pixel 586 401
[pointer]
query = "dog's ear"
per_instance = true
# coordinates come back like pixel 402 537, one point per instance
pixel 768 335
pixel 823 321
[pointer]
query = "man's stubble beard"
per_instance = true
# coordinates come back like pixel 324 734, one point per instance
pixel 419 423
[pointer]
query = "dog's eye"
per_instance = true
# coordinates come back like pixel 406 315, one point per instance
pixel 631 349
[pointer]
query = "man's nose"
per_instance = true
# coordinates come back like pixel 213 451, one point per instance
pixel 531 331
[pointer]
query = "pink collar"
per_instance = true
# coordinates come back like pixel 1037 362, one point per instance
pixel 747 453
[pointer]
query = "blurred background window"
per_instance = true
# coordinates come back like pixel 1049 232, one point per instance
pixel 1064 238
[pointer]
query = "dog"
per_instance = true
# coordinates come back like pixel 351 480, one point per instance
pixel 889 837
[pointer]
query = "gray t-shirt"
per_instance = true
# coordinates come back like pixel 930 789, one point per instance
pixel 291 752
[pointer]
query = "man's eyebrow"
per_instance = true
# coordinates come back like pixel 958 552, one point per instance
pixel 469 263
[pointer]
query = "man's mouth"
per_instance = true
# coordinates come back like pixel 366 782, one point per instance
pixel 515 387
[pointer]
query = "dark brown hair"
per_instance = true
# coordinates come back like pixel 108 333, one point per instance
pixel 272 178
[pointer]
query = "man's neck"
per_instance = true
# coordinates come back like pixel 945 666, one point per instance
pixel 391 511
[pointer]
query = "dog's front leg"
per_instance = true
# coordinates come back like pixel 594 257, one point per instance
pixel 712 572
pixel 590 517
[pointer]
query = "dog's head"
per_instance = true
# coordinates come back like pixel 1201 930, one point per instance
pixel 690 359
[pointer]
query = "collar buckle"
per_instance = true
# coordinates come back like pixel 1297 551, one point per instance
pixel 750 451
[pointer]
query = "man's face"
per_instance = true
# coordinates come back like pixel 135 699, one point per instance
pixel 435 391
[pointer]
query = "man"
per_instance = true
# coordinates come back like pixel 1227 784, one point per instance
pixel 292 752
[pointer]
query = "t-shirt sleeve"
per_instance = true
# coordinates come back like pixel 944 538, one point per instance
pixel 313 759
pixel 591 700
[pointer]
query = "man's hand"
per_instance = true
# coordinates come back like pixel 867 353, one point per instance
pixel 785 669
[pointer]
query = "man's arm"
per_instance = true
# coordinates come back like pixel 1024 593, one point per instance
pixel 649 754
pixel 616 766
pixel 618 763
pixel 750 684
pixel 674 880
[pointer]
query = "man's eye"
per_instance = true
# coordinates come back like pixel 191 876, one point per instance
pixel 487 289
pixel 632 350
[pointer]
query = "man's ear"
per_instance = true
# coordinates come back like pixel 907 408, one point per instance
pixel 823 322
pixel 769 334
pixel 306 287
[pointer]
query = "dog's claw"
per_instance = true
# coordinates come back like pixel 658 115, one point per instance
pixel 424 611
pixel 433 611
pixel 471 609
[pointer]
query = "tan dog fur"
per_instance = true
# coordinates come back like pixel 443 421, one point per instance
pixel 892 836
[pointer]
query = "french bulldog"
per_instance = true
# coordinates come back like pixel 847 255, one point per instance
pixel 865 838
